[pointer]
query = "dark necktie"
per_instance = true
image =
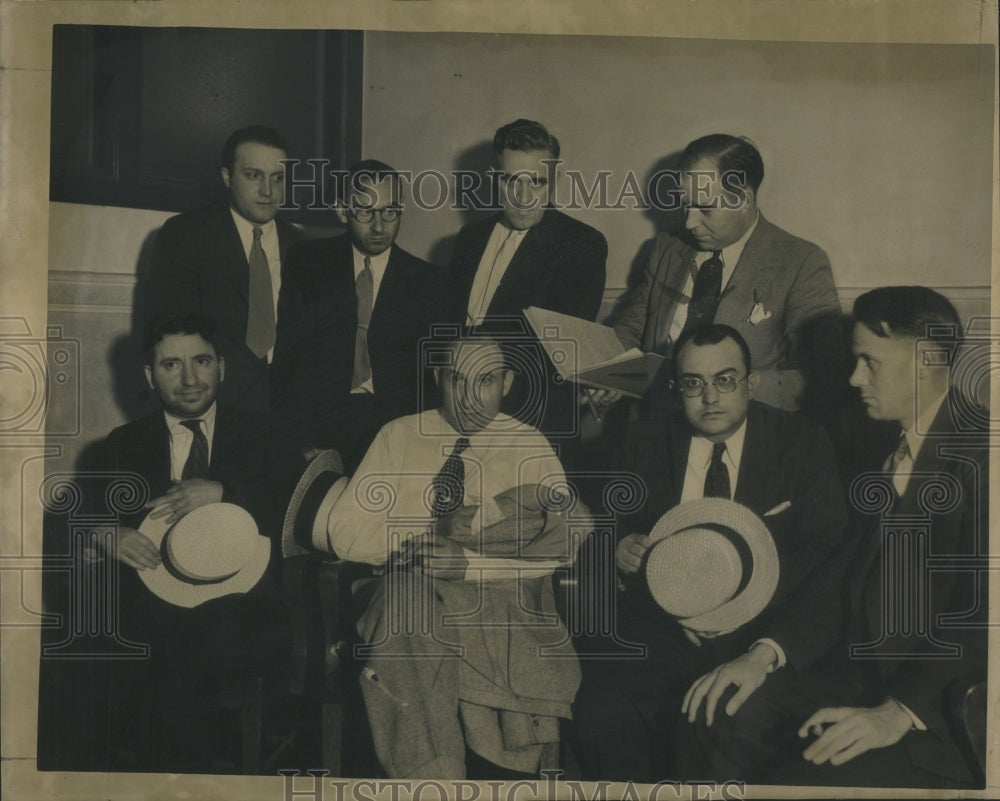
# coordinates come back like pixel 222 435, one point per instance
pixel 449 483
pixel 895 460
pixel 260 304
pixel 717 478
pixel 706 292
pixel 365 288
pixel 196 465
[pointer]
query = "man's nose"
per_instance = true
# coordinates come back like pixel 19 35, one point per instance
pixel 856 379
pixel 188 375
pixel 265 188
pixel 691 218
pixel 377 224
pixel 522 193
pixel 710 394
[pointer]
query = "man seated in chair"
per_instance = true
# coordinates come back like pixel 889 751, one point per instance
pixel 465 510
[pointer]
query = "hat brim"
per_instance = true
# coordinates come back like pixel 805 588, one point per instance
pixel 316 491
pixel 763 580
pixel 175 589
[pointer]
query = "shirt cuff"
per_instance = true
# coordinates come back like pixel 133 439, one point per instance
pixel 777 649
pixel 918 724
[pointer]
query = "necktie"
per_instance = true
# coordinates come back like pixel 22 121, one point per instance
pixel 365 288
pixel 717 477
pixel 196 465
pixel 899 464
pixel 705 295
pixel 449 483
pixel 260 312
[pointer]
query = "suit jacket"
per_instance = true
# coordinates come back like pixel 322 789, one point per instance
pixel 559 265
pixel 785 458
pixel 314 355
pixel 199 265
pixel 954 458
pixel 789 277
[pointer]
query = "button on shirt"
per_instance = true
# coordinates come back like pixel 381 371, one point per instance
pixel 379 264
pixel 730 258
pixel 181 438
pixel 269 242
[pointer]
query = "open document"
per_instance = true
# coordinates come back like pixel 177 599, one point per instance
pixel 590 354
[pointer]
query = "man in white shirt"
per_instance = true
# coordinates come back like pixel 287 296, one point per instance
pixel 224 261
pixel 465 508
pixel 780 466
pixel 352 312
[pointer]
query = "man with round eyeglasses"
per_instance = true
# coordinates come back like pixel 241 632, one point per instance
pixel 351 314
pixel 720 443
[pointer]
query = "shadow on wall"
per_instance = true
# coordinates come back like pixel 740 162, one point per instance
pixel 474 159
pixel 664 212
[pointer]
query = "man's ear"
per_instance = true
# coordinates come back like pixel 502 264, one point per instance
pixel 508 380
pixel 222 369
pixel 225 176
pixel 149 377
pixel 342 214
pixel 753 380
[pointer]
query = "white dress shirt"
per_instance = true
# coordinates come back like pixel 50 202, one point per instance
pixel 269 242
pixel 492 267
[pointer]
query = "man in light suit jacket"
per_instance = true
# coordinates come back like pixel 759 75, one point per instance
pixel 529 255
pixel 337 376
pixel 204 261
pixel 781 467
pixel 775 289
pixel 873 712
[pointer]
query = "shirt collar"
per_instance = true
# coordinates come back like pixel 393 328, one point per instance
pixel 378 263
pixel 731 254
pixel 701 447
pixel 174 422
pixel 245 227
pixel 916 434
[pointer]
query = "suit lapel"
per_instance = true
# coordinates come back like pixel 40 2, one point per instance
pixel 523 266
pixel 158 454
pixel 232 256
pixel 673 268
pixel 681 440
pixel 751 278
pixel 751 482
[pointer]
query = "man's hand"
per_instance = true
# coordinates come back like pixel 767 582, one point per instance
pixel 184 496
pixel 747 672
pixel 854 731
pixel 436 556
pixel 135 549
pixel 631 551
pixel 456 525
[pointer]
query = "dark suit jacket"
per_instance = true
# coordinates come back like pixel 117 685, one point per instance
pixel 317 323
pixel 785 458
pixel 791 280
pixel 559 265
pixel 199 265
pixel 954 459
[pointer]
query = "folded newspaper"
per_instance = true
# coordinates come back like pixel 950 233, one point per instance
pixel 590 354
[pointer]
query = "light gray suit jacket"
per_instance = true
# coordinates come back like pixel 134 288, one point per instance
pixel 778 274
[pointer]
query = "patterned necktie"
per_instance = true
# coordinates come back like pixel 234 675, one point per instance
pixel 717 477
pixel 706 292
pixel 196 465
pixel 449 483
pixel 365 288
pixel 260 305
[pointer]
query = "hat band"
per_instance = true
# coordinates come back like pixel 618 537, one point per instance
pixel 312 499
pixel 739 543
pixel 178 574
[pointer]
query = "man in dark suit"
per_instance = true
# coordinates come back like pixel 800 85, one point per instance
pixel 213 261
pixel 873 712
pixel 529 255
pixel 778 465
pixel 352 312
pixel 163 710
pixel 730 265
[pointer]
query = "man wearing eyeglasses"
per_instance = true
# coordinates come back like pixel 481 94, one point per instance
pixel 351 313
pixel 531 254
pixel 721 443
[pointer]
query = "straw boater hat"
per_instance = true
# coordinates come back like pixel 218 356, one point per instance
pixel 321 484
pixel 713 565
pixel 212 551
